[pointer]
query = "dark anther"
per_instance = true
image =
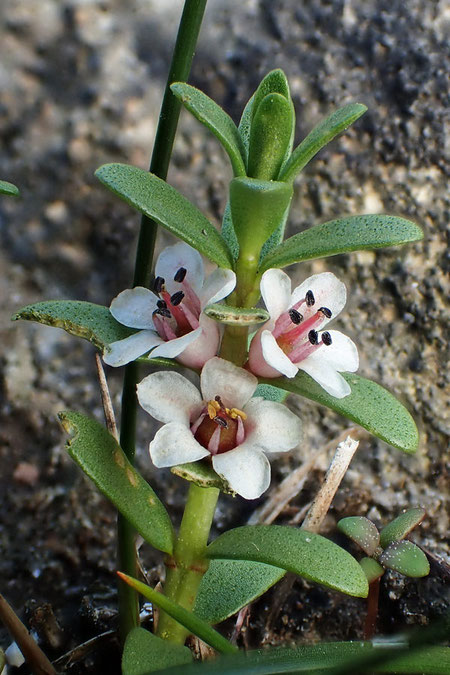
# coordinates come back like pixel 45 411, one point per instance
pixel 176 298
pixel 158 285
pixel 180 274
pixel 313 337
pixel 326 338
pixel 219 401
pixel 295 316
pixel 163 311
pixel 310 300
pixel 221 422
pixel 325 311
pixel 161 304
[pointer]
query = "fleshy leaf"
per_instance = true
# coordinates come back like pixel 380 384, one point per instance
pixel 322 134
pixel 160 201
pixel 275 82
pixel 401 526
pixel 304 553
pixel 216 119
pixel 406 558
pixel 83 319
pixel 362 531
pixel 354 233
pixel 201 474
pixel 271 393
pixel 372 569
pixel 97 452
pixel 187 619
pixel 229 585
pixel 270 137
pixel 8 189
pixel 145 653
pixel 369 405
pixel 237 316
pixel 351 658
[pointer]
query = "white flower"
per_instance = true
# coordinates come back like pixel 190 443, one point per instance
pixel 223 422
pixel 291 340
pixel 170 316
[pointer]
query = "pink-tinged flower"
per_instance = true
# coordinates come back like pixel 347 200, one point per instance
pixel 224 423
pixel 294 338
pixel 170 316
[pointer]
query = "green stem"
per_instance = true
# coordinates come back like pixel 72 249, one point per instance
pixel 188 564
pixel 184 49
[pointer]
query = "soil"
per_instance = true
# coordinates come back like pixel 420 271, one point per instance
pixel 80 85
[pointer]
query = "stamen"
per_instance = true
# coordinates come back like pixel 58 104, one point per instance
pixel 162 304
pixel 214 442
pixel 219 401
pixel 213 409
pixel 158 285
pixel 295 316
pixel 310 300
pixel 163 311
pixel 176 298
pixel 236 413
pixel 326 338
pixel 240 434
pixel 313 337
pixel 325 311
pixel 180 274
pixel 221 422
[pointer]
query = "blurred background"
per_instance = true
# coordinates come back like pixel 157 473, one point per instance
pixel 81 84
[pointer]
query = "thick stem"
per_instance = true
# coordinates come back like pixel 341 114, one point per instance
pixel 188 564
pixel 179 71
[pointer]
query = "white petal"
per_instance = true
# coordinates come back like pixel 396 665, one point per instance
pixel 129 349
pixel 134 307
pixel 256 362
pixel 234 385
pixel 329 379
pixel 323 364
pixel 328 292
pixel 180 255
pixel 246 469
pixel 204 347
pixel 169 397
pixel 275 357
pixel 174 444
pixel 173 348
pixel 276 292
pixel 217 286
pixel 271 426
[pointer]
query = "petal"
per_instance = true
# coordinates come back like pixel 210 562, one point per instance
pixel 169 397
pixel 174 444
pixel 271 426
pixel 217 286
pixel 234 385
pixel 173 348
pixel 275 356
pixel 329 379
pixel 134 307
pixel 276 292
pixel 323 364
pixel 123 351
pixel 204 347
pixel 328 291
pixel 180 255
pixel 246 469
pixel 256 362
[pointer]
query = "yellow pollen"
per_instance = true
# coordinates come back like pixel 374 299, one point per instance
pixel 235 412
pixel 213 408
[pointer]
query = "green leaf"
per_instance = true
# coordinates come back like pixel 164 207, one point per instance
pixel 216 119
pixel 372 569
pixel 97 452
pixel 401 526
pixel 237 316
pixel 228 232
pixel 271 393
pixel 258 208
pixel 406 558
pixel 275 82
pixel 355 233
pixel 160 201
pixel 144 653
pixel 203 475
pixel 304 553
pixel 322 134
pixel 229 585
pixel 8 189
pixel 245 126
pixel 270 137
pixel 353 658
pixel 83 319
pixel 187 619
pixel 369 405
pixel 362 531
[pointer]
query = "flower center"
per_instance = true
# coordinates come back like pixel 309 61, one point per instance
pixel 218 428
pixel 296 332
pixel 176 314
